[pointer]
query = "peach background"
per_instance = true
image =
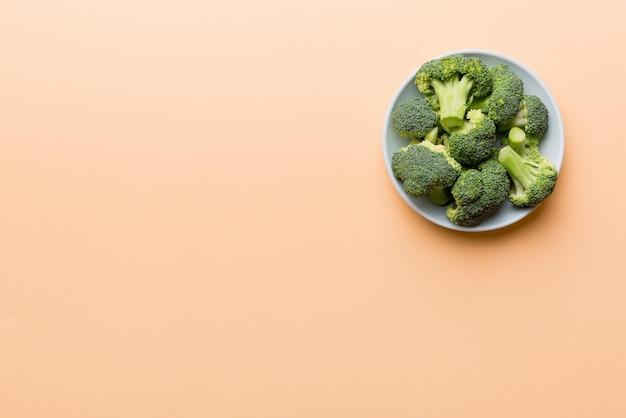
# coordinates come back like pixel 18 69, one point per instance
pixel 196 220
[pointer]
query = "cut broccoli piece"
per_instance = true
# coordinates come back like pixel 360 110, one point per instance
pixel 521 143
pixel 451 83
pixel 414 118
pixel 475 141
pixel 532 116
pixel 506 96
pixel 424 167
pixel 439 195
pixel 533 176
pixel 431 136
pixel 478 192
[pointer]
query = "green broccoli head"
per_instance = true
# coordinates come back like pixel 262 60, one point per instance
pixel 474 141
pixel 532 116
pixel 478 192
pixel 424 166
pixel 506 96
pixel 533 176
pixel 414 118
pixel 451 83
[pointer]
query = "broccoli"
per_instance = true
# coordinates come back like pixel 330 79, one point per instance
pixel 433 136
pixel 478 192
pixel 474 141
pixel 414 118
pixel 506 96
pixel 524 145
pixel 425 169
pixel 451 83
pixel 440 196
pixel 532 117
pixel 533 176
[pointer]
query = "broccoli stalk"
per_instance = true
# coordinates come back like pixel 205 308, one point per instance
pixel 525 145
pixel 534 176
pixel 517 140
pixel 432 135
pixel 439 195
pixel 452 95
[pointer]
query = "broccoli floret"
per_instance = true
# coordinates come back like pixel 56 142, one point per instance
pixel 506 96
pixel 532 117
pixel 414 118
pixel 478 192
pixel 451 83
pixel 533 176
pixel 474 141
pixel 423 168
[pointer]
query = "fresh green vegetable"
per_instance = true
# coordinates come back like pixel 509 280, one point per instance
pixel 504 101
pixel 474 141
pixel 533 176
pixel 439 195
pixel 425 168
pixel 451 83
pixel 478 193
pixel 414 118
pixel 521 143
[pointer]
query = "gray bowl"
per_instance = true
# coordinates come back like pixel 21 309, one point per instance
pixel 551 146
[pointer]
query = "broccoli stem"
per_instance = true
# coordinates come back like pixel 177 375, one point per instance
pixel 517 140
pixel 439 195
pixel 517 121
pixel 481 104
pixel 453 97
pixel 523 171
pixel 432 135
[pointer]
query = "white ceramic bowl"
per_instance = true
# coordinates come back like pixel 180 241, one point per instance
pixel 551 146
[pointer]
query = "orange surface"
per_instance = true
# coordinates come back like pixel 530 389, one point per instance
pixel 196 220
